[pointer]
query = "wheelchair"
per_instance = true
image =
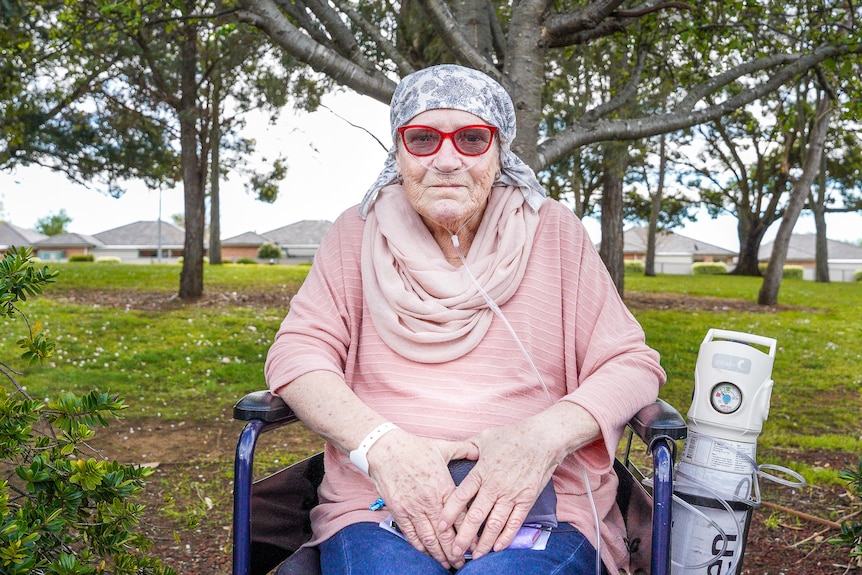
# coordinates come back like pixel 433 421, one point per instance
pixel 271 515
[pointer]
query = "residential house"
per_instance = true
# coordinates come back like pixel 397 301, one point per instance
pixel 62 246
pixel 243 246
pixel 142 242
pixel 11 235
pixel 674 253
pixel 844 259
pixel 298 240
pixel 145 241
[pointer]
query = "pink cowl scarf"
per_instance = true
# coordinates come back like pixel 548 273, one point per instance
pixel 422 307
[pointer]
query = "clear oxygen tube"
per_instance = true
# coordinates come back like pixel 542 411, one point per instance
pixel 499 313
pixel 427 162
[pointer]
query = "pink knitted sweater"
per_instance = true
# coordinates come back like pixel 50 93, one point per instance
pixel 588 347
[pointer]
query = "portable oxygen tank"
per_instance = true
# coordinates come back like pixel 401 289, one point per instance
pixel 732 390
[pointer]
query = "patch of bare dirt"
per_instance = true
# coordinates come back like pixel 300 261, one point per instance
pixel 790 531
pixel 193 479
pixel 158 301
pixel 163 301
pixel 673 301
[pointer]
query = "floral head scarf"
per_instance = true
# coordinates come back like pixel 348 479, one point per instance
pixel 458 88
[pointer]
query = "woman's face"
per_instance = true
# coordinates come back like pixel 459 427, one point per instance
pixel 447 188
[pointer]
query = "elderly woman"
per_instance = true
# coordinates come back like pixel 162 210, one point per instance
pixel 457 313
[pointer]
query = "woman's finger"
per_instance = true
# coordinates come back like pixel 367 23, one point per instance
pixel 428 540
pixel 502 525
pixel 455 510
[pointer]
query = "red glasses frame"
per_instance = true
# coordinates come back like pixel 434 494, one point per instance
pixel 450 135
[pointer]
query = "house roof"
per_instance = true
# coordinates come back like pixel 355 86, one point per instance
pixel 802 247
pixel 143 234
pixel 635 242
pixel 70 240
pixel 12 235
pixel 246 239
pixel 302 233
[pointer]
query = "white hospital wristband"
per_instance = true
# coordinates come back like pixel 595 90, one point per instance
pixel 359 456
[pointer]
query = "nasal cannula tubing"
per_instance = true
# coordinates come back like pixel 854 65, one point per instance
pixel 428 165
pixel 496 309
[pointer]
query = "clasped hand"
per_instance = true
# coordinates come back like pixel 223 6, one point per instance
pixel 445 521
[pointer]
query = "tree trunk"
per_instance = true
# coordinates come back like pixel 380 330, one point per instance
pixel 611 250
pixel 215 172
pixel 749 246
pixel 192 275
pixel 526 77
pixel 577 181
pixel 772 279
pixel 655 210
pixel 818 208
pixel 821 249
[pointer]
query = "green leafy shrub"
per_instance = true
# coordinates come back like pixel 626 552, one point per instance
pixel 64 509
pixel 109 260
pixel 792 272
pixel 634 267
pixel 246 261
pixel 708 268
pixel 82 258
pixel 858 276
pixel 269 251
pixel 851 529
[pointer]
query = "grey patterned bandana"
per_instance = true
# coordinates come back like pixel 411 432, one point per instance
pixel 458 88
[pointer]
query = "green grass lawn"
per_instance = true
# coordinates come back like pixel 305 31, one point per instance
pixel 193 362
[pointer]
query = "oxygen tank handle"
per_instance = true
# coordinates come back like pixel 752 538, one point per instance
pixel 741 337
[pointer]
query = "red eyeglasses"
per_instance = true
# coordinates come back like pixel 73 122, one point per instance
pixel 469 140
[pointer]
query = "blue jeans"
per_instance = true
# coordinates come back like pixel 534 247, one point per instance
pixel 367 549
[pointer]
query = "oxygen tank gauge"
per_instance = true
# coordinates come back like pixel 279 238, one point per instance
pixel 726 397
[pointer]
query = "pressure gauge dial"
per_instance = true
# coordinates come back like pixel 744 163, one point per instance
pixel 726 397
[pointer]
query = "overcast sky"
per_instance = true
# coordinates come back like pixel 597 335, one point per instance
pixel 331 165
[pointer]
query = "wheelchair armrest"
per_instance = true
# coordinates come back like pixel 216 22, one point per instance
pixel 264 406
pixel 659 419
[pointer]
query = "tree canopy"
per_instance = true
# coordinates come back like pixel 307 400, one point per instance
pixel 579 73
pixel 54 224
pixel 624 53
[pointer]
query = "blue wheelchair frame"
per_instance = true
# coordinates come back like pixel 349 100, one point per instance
pixel 658 425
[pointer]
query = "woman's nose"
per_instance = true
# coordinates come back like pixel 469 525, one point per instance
pixel 447 157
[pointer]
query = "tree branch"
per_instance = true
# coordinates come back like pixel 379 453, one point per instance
pixel 638 12
pixel 498 38
pixel 265 15
pixel 597 21
pixel 586 19
pixel 627 92
pixel 388 49
pixel 342 37
pixel 298 11
pixel 446 25
pixel 713 85
pixel 583 133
